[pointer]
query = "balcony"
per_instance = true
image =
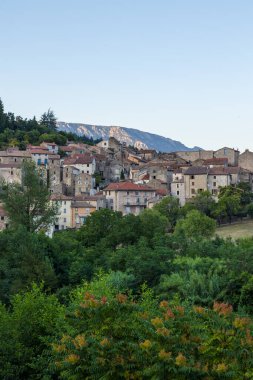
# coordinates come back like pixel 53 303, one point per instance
pixel 135 202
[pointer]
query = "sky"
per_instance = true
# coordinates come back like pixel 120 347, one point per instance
pixel 179 68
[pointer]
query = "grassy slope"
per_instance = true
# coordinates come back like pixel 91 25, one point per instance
pixel 236 231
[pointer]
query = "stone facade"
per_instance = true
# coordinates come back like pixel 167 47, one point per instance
pixel 246 160
pixel 128 197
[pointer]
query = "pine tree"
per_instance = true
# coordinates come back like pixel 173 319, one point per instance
pixel 48 119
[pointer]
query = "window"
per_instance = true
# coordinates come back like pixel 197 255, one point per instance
pixel 214 184
pixel 193 191
pixel 88 172
pixel 177 192
pixel 2 217
pixel 64 202
pixel 214 177
pixel 154 171
pixel 65 211
pixel 11 172
pixel 67 175
pixel 136 193
pixel 154 177
pixel 65 220
pixel 193 183
pixel 177 186
pixel 192 177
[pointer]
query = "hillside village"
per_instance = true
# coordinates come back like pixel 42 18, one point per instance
pixel 84 178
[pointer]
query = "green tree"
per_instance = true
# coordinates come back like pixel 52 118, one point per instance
pixel 28 203
pixel 170 208
pixel 204 202
pixel 195 226
pixel 229 203
pixel 26 331
pixel 24 258
pixel 48 119
pixel 98 226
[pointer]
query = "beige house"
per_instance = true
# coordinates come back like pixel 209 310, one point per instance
pixel 246 160
pixel 189 183
pixel 76 182
pixel 64 217
pixel 231 154
pixel 80 211
pixel 195 180
pixel 128 197
pixel 178 186
pixel 98 201
pixel 83 162
pixel 148 154
pixel 10 173
pixel 51 147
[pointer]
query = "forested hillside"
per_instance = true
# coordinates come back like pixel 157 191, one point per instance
pixel 16 131
pixel 154 296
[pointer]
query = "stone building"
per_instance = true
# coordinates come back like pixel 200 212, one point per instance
pixel 178 186
pixel 80 211
pixel 246 160
pixel 84 162
pixel 128 197
pixel 76 182
pixel 11 173
pixel 231 154
pixel 64 216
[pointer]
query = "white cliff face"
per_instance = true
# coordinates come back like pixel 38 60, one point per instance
pixel 140 145
pixel 134 137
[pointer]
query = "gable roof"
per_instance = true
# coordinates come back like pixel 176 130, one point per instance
pixel 196 170
pixel 127 186
pixel 216 161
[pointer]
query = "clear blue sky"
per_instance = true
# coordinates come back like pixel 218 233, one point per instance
pixel 179 68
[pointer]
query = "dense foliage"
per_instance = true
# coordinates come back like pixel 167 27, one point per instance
pixel 16 131
pixel 83 323
pixel 154 296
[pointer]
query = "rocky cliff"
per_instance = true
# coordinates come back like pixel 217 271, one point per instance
pixel 130 136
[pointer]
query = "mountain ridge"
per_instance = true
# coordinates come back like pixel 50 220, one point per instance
pixel 130 136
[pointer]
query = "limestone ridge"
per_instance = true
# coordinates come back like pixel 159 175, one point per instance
pixel 130 136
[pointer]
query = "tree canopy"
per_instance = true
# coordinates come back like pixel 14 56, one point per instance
pixel 27 203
